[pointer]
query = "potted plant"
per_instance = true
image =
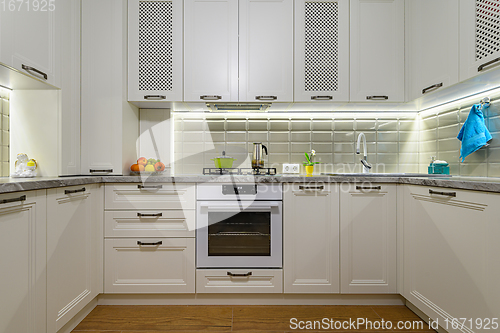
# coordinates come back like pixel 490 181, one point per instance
pixel 309 163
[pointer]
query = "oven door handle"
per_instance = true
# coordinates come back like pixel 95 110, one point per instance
pixel 236 207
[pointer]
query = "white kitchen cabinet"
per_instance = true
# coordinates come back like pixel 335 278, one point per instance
pixel 266 51
pixel 368 239
pixel 451 253
pixel 109 125
pixel 211 50
pixel 23 246
pixel 69 18
pixel 311 238
pixel 479 41
pixel 432 49
pixel 155 50
pixel 149 265
pixel 244 281
pixel 74 251
pixel 321 51
pixel 377 51
pixel 28 32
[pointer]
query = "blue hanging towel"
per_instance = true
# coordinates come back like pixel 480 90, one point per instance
pixel 473 133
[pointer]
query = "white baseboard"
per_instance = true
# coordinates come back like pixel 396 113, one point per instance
pixel 422 315
pixel 70 325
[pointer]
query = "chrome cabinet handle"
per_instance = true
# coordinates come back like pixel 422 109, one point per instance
pixel 149 215
pixel 305 188
pixel 21 198
pixel 151 244
pixel 149 186
pixel 266 98
pixel 368 187
pixel 480 68
pixel 380 98
pixel 210 97
pixel 448 194
pixel 155 97
pixel 434 86
pixel 321 98
pixel 101 170
pixel 30 70
pixel 74 191
pixel 239 275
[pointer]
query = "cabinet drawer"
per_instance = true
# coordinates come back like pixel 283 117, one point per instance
pixel 449 196
pixel 17 199
pixel 148 223
pixel 150 196
pixel 168 267
pixel 258 281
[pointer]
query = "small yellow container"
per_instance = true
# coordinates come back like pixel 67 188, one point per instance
pixel 309 170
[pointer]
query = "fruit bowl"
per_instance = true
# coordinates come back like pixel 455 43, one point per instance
pixel 147 173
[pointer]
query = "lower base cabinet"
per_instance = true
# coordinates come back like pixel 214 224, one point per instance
pixel 251 281
pixel 368 239
pixel 74 251
pixel 311 238
pixel 149 265
pixel 451 248
pixel 23 261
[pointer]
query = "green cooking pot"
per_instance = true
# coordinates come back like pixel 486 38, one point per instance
pixel 223 162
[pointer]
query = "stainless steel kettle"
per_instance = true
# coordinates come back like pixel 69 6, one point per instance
pixel 257 161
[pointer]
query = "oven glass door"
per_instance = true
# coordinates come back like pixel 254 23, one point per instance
pixel 239 234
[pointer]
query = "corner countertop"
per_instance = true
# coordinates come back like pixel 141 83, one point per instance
pixel 8 185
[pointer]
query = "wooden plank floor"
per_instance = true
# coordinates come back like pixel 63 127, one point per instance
pixel 242 319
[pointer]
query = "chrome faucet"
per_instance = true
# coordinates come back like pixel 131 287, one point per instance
pixel 366 166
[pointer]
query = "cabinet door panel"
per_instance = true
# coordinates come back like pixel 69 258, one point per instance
pixel 266 50
pixel 377 50
pixel 321 51
pixel 23 247
pixel 74 237
pixel 311 239
pixel 446 251
pixel 368 240
pixel 426 67
pixel 211 50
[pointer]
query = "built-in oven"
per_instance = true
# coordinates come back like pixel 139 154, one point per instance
pixel 239 226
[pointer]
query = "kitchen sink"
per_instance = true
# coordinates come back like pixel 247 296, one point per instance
pixel 374 174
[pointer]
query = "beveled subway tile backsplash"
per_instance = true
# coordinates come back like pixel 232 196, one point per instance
pixel 199 138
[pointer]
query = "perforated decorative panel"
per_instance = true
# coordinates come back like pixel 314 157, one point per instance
pixel 321 46
pixel 155 45
pixel 487 28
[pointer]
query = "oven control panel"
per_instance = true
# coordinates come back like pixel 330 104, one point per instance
pixel 239 189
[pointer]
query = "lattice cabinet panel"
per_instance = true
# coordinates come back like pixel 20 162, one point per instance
pixel 321 53
pixel 155 50
pixel 487 28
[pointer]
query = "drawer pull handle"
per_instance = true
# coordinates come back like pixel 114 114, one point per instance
pixel 210 97
pixel 480 68
pixel 152 244
pixel 368 187
pixel 380 98
pixel 30 70
pixel 101 170
pixel 239 275
pixel 74 191
pixel 150 215
pixel 149 186
pixel 321 98
pixel 434 86
pixel 308 188
pixel 21 198
pixel 266 98
pixel 448 194
pixel 155 97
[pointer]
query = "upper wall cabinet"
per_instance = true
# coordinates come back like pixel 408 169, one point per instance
pixel 256 66
pixel 28 38
pixel 377 50
pixel 432 48
pixel 211 50
pixel 479 37
pixel 321 50
pixel 155 50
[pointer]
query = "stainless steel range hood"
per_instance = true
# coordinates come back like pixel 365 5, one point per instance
pixel 238 107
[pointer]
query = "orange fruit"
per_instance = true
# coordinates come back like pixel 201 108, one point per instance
pixel 135 167
pixel 141 167
pixel 159 166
